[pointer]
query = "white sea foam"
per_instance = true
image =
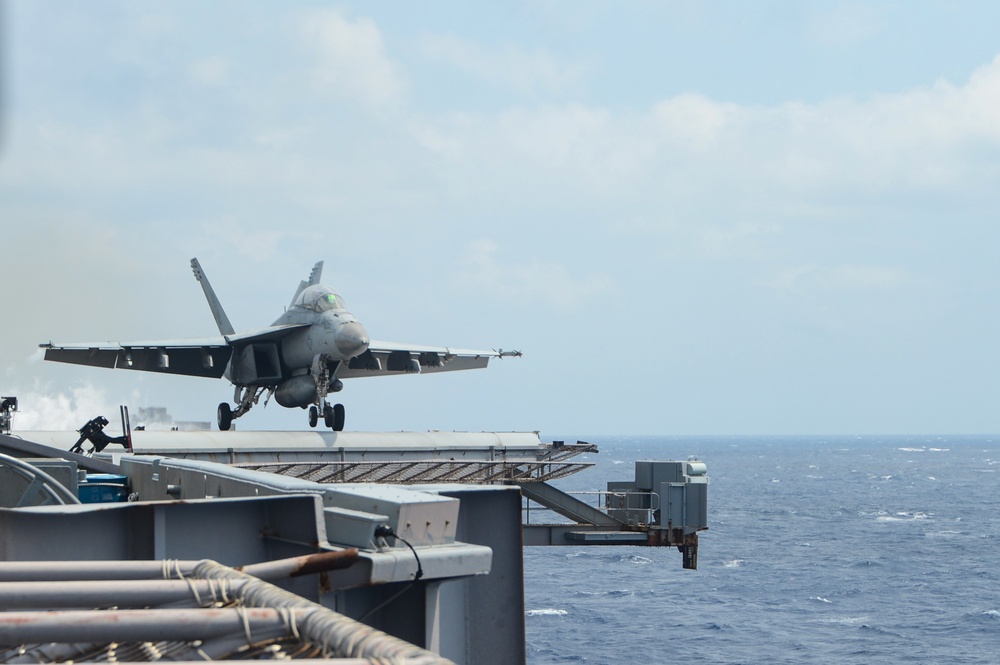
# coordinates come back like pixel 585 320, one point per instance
pixel 547 612
pixel 902 517
pixel 821 599
pixel 847 621
pixel 942 534
pixel 735 563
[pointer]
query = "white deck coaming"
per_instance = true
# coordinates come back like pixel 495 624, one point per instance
pixel 278 445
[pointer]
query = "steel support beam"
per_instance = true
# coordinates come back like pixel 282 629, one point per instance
pixel 567 506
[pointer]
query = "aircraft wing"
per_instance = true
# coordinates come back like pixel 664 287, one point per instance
pixel 207 356
pixel 385 358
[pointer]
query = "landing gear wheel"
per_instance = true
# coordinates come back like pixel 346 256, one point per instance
pixel 328 416
pixel 313 416
pixel 225 417
pixel 338 418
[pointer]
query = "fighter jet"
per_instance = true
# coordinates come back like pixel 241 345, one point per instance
pixel 299 359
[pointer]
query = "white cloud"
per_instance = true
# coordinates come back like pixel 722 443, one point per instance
pixel 845 24
pixel 210 71
pixel 508 65
pixel 248 242
pixel 548 283
pixel 791 158
pixel 741 240
pixel 692 121
pixel 351 58
pixel 843 278
pixel 42 408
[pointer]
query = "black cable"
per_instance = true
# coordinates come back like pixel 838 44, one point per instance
pixel 382 531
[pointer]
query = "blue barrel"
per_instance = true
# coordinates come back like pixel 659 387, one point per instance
pixel 103 488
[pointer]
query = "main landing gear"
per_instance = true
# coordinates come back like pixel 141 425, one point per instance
pixel 333 416
pixel 245 398
pixel 225 416
pixel 295 391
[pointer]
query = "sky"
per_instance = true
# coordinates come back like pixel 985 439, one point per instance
pixel 715 217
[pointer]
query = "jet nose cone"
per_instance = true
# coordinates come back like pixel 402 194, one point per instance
pixel 352 339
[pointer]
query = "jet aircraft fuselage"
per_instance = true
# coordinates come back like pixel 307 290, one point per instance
pixel 299 359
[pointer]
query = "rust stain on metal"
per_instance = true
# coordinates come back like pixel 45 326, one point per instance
pixel 324 561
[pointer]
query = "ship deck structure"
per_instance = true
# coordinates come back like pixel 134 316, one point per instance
pixel 395 547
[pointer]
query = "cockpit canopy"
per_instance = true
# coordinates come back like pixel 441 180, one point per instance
pixel 319 298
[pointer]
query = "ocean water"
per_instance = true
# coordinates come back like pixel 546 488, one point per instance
pixel 819 550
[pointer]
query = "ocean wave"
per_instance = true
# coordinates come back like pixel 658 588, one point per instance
pixel 866 563
pixel 613 593
pixel 947 533
pixel 868 570
pixel 547 612
pixel 716 626
pixel 878 631
pixel 903 517
pixel 844 621
pixel 635 558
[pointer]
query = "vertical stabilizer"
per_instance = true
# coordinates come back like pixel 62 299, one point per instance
pixel 225 327
pixel 314 277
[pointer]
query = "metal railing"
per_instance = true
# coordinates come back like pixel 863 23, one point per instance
pixel 611 502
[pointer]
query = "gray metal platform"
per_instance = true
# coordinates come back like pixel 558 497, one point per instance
pixel 438 536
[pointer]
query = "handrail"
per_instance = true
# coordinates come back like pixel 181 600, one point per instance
pixel 606 506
